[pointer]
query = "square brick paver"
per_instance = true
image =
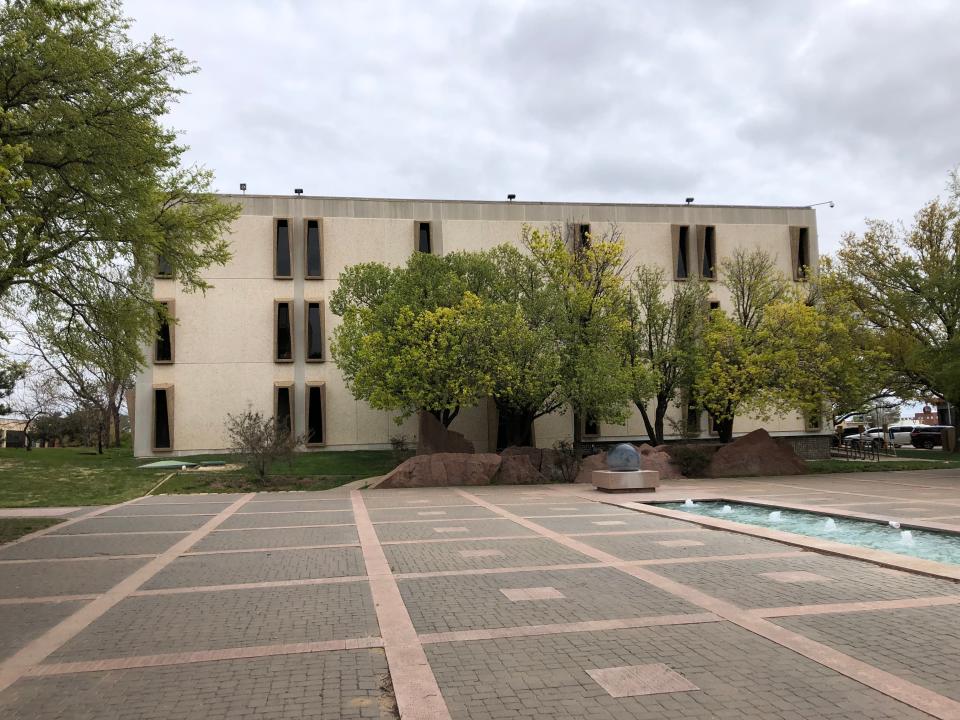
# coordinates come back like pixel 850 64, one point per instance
pixel 640 680
pixel 533 593
pixel 795 576
pixel 681 543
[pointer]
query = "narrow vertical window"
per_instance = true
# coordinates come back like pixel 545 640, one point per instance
pixel 164 268
pixel 314 412
pixel 681 252
pixel 281 249
pixel 693 419
pixel 423 237
pixel 800 252
pixel 591 427
pixel 162 418
pixel 163 348
pixel 314 266
pixel 708 251
pixel 583 236
pixel 283 408
pixel 803 253
pixel 314 331
pixel 284 333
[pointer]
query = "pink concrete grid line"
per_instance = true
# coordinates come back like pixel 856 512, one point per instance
pixel 574 627
pixel 416 689
pixel 852 607
pixel 40 648
pixel 250 586
pixel 269 549
pixel 85 558
pixel 903 690
pixel 241 653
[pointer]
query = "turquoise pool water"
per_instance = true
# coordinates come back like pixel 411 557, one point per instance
pixel 926 544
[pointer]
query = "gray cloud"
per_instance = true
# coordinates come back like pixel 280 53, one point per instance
pixel 738 102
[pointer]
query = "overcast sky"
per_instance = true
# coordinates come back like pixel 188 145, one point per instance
pixel 752 102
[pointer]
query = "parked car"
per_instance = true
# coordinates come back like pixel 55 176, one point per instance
pixel 901 434
pixel 928 437
pixel 872 436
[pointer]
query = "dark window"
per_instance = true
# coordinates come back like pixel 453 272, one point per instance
pixel 314 414
pixel 284 334
pixel 284 415
pixel 693 419
pixel 423 237
pixel 163 351
pixel 709 252
pixel 282 249
pixel 683 251
pixel 161 419
pixel 591 426
pixel 314 332
pixel 314 268
pixel 164 268
pixel 714 304
pixel 583 235
pixel 803 252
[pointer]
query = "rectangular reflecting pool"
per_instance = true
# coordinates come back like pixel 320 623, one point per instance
pixel 926 544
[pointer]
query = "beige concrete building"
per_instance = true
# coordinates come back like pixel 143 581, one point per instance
pixel 260 337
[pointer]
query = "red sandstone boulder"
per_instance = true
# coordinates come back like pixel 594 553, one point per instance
pixel 546 461
pixel 433 437
pixel 517 470
pixel 589 464
pixel 657 458
pixel 755 454
pixel 442 469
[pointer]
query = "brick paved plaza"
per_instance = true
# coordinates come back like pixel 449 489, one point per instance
pixel 474 603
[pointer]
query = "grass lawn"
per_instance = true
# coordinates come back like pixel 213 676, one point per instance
pixel 51 477
pixel 905 463
pixel 12 528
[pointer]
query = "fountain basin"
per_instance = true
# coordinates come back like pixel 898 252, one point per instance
pixel 942 547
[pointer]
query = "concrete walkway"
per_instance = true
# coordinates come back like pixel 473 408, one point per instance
pixel 493 602
pixel 41 512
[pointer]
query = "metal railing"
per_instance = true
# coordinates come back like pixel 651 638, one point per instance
pixel 859 450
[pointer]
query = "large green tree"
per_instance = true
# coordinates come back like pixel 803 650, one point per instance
pixel 783 348
pixel 94 357
pixel 904 280
pixel 664 344
pixel 415 338
pixel 90 178
pixel 584 304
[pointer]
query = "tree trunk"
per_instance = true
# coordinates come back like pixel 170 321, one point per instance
pixel 651 431
pixel 514 428
pixel 724 429
pixel 115 413
pixel 663 404
pixel 577 436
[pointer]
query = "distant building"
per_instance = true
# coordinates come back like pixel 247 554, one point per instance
pixel 928 416
pixel 12 432
pixel 260 336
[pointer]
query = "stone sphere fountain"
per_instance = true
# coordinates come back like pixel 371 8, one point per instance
pixel 623 473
